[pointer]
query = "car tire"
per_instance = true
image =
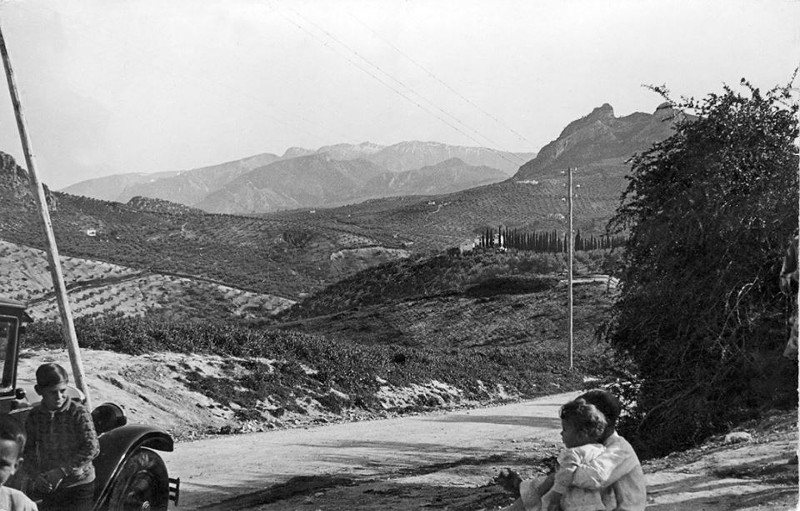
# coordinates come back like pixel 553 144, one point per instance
pixel 142 484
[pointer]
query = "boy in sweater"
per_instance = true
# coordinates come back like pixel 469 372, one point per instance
pixel 61 445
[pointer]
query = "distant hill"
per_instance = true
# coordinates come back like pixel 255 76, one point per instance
pixel 448 176
pixel 191 186
pixel 414 155
pixel 319 181
pixel 599 145
pixel 305 181
pixel 184 187
pixel 283 258
pixel 292 253
pixel 112 187
pixel 203 187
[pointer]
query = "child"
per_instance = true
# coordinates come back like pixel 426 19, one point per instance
pixel 582 426
pixel 12 443
pixel 61 444
pixel 617 468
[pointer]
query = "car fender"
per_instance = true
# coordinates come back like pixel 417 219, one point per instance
pixel 116 445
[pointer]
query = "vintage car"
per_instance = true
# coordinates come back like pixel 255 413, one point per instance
pixel 130 473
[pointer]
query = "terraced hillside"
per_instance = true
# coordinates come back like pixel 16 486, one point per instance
pixel 442 221
pixel 96 288
pixel 281 257
pixel 295 253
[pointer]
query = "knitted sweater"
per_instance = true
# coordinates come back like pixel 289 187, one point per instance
pixel 64 438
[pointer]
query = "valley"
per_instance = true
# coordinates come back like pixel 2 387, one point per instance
pixel 239 298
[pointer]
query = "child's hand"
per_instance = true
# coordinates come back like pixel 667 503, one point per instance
pixel 48 482
pixel 509 481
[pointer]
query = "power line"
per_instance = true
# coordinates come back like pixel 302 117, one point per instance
pixel 395 90
pixel 255 103
pixel 448 87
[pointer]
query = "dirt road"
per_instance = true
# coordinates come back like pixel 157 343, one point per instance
pixel 448 460
pixel 434 449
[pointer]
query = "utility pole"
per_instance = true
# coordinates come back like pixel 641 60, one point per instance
pixel 570 248
pixel 67 325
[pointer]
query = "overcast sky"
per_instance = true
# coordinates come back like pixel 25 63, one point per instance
pixel 114 86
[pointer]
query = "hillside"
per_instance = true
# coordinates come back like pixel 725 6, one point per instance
pixel 306 181
pixel 488 342
pixel 191 186
pixel 445 177
pixel 293 253
pixel 98 288
pixel 417 154
pixel 481 299
pixel 600 142
pixel 414 155
pixel 110 188
pixel 219 189
pixel 278 257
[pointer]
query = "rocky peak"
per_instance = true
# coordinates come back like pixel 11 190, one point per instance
pixel 665 111
pixel 600 137
pixel 15 178
pixel 602 115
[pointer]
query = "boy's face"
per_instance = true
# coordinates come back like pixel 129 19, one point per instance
pixel 54 396
pixel 571 436
pixel 9 459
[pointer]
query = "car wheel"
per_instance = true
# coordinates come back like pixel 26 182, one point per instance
pixel 142 484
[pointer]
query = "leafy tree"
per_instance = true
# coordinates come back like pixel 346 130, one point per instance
pixel 709 213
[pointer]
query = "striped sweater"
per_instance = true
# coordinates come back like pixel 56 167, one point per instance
pixel 64 438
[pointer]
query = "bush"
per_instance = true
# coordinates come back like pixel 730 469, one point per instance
pixel 709 212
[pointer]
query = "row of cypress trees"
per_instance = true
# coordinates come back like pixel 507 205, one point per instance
pixel 545 241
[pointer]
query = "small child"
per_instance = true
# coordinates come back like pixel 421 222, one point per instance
pixel 61 444
pixel 12 443
pixel 582 426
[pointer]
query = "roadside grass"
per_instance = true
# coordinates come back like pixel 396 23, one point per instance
pixel 292 372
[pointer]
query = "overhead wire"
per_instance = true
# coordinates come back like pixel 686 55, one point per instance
pixel 401 93
pixel 439 80
pixel 256 103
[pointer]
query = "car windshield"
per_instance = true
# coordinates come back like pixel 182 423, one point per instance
pixel 8 327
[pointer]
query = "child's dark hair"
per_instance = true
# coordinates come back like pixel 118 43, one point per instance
pixel 606 402
pixel 51 374
pixel 586 418
pixel 11 429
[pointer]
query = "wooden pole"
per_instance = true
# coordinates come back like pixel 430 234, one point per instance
pixel 570 248
pixel 67 325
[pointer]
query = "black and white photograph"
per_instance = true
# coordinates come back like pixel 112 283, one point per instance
pixel 350 255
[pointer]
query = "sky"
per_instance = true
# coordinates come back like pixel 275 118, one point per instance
pixel 117 86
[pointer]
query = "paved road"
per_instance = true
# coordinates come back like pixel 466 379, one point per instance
pixel 217 469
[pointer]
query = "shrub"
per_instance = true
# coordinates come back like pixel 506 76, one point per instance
pixel 709 212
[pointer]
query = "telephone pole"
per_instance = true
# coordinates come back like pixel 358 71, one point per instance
pixel 67 325
pixel 570 248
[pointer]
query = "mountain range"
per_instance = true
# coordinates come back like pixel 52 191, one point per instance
pixel 267 182
pixel 292 252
